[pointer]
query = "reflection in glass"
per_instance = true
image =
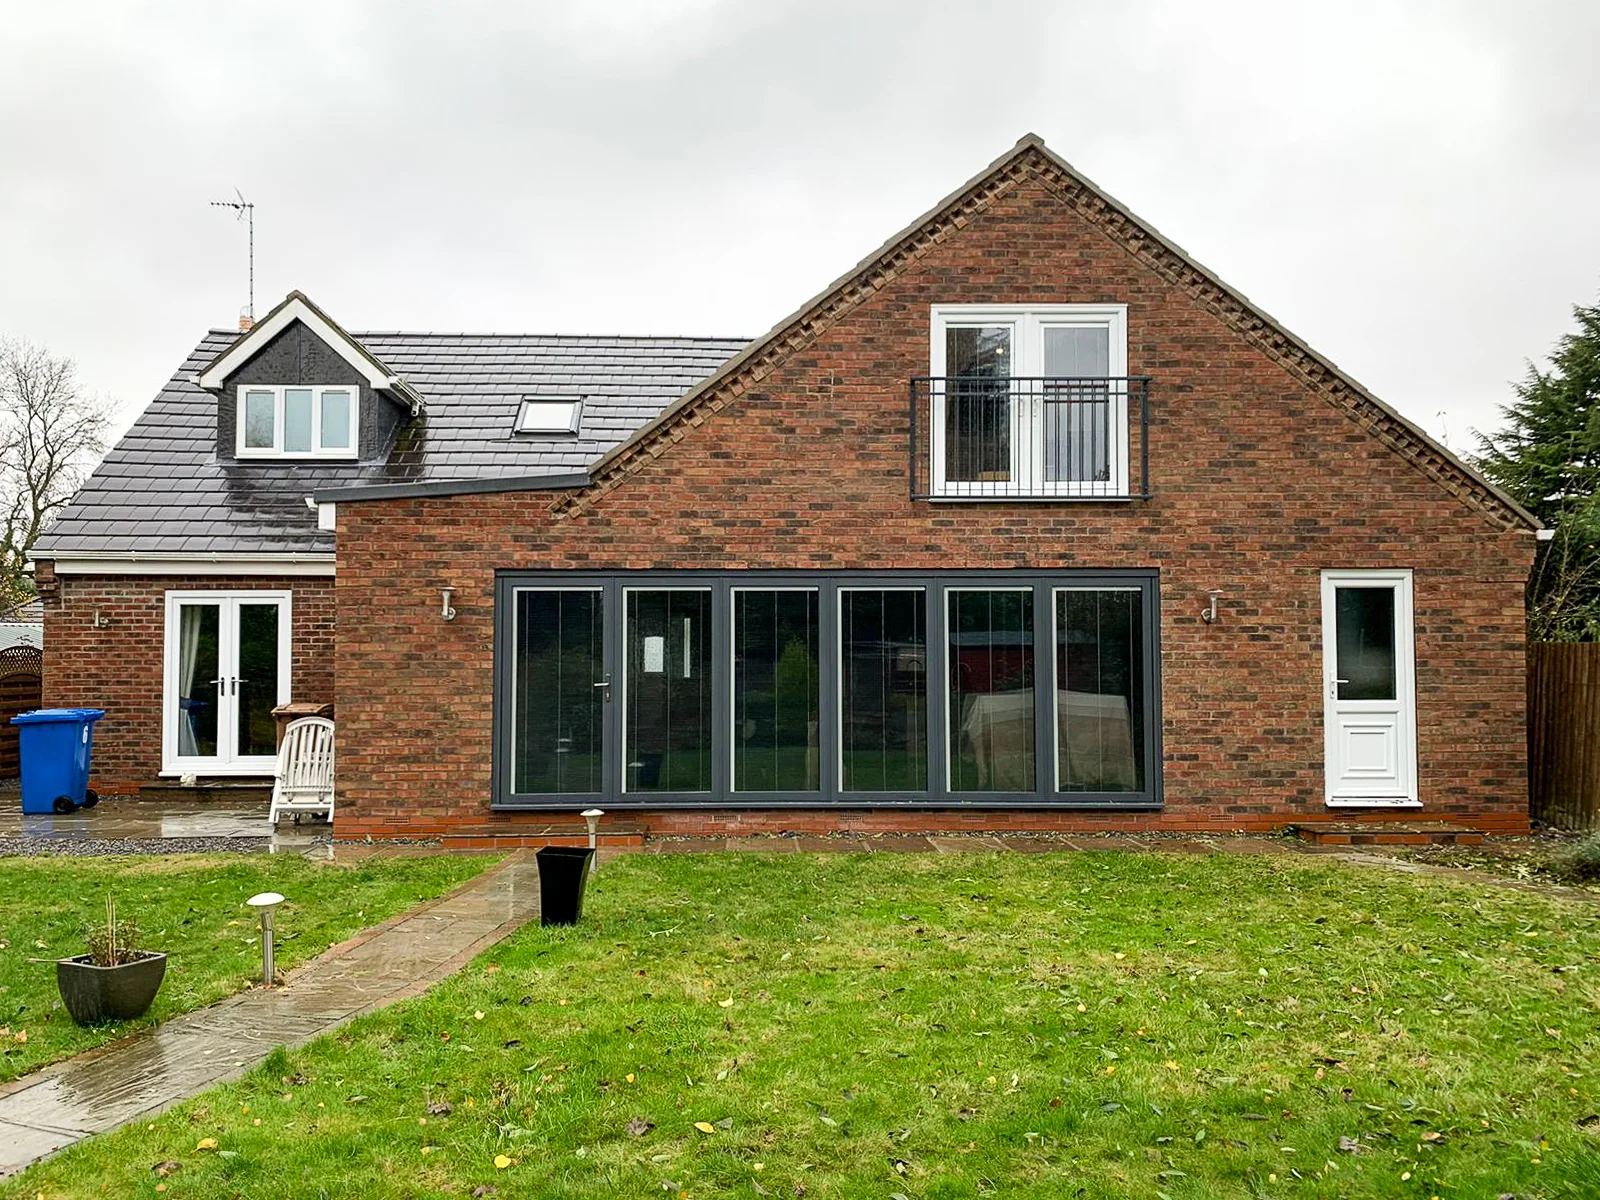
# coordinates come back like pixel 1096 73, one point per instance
pixel 1099 691
pixel 776 689
pixel 1365 642
pixel 256 689
pixel 559 712
pixel 1077 409
pixel 297 420
pixel 258 420
pixel 198 625
pixel 977 413
pixel 884 690
pixel 667 718
pixel 991 691
pixel 335 420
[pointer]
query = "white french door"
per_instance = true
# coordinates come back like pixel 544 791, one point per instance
pixel 1369 689
pixel 227 666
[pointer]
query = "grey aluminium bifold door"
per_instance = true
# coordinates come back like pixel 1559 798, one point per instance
pixel 940 689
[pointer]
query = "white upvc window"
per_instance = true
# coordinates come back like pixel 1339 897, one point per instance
pixel 1029 401
pixel 296 421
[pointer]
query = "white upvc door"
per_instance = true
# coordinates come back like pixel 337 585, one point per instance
pixel 1369 689
pixel 227 666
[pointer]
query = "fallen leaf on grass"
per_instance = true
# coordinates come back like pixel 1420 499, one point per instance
pixel 206 1144
pixel 728 1003
pixel 163 1169
pixel 501 1162
pixel 705 1126
pixel 638 1126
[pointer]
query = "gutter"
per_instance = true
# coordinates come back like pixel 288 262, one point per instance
pixel 451 487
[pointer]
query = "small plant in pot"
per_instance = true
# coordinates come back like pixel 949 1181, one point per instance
pixel 115 981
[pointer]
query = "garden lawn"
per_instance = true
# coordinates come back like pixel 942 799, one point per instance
pixel 1084 1025
pixel 192 907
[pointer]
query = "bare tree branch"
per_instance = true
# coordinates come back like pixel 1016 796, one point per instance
pixel 51 435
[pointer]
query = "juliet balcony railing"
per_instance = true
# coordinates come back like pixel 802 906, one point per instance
pixel 984 437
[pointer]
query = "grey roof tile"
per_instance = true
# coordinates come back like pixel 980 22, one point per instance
pixel 162 489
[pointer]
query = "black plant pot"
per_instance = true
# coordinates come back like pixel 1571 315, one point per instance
pixel 563 875
pixel 93 994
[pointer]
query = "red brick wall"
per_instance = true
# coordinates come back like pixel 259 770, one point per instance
pixel 1259 483
pixel 119 667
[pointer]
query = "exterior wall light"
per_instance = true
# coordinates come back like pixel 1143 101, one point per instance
pixel 592 816
pixel 266 903
pixel 447 611
pixel 1209 613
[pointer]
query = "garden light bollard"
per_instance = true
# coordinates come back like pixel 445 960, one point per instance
pixel 267 902
pixel 592 816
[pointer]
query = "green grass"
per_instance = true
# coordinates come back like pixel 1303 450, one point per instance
pixel 932 1026
pixel 191 907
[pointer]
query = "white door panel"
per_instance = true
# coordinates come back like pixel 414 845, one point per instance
pixel 1369 688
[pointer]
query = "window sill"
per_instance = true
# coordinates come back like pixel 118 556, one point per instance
pixel 1032 498
pixel 1390 803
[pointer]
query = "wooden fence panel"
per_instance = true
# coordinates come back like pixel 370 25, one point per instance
pixel 21 672
pixel 1564 733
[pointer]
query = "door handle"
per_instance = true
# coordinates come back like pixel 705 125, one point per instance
pixel 606 683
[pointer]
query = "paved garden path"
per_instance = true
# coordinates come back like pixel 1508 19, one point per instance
pixel 134 1078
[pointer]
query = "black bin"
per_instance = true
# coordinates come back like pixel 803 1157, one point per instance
pixel 563 874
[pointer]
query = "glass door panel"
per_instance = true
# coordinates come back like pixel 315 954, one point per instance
pixel 1077 419
pixel 977 416
pixel 200 682
pixel 254 689
pixel 1099 690
pixel 883 681
pixel 1364 643
pixel 991 690
pixel 559 691
pixel 667 701
pixel 776 691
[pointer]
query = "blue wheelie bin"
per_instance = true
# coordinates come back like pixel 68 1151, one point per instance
pixel 55 745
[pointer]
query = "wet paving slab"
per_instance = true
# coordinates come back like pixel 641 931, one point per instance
pixel 98 1091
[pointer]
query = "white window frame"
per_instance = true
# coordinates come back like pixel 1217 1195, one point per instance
pixel 172 763
pixel 1027 324
pixel 276 450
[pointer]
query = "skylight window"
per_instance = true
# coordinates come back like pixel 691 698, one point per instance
pixel 550 417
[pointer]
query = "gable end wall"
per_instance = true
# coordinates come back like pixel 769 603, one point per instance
pixel 1261 480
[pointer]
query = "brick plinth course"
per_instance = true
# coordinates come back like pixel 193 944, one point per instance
pixel 118 667
pixel 1265 470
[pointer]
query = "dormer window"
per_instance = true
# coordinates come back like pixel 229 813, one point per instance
pixel 297 422
pixel 550 417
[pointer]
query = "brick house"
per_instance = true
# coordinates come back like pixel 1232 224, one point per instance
pixel 1027 522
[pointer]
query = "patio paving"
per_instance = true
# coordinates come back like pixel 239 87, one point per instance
pixel 132 1079
pixel 128 826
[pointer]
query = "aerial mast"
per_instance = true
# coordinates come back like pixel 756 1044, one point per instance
pixel 246 212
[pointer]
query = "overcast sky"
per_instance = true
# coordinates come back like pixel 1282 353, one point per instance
pixel 1411 187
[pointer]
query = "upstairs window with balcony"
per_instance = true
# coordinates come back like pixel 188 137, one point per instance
pixel 1028 403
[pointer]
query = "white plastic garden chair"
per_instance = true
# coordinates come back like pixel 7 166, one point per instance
pixel 304 780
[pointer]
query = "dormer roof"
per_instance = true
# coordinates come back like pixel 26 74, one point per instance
pixel 297 306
